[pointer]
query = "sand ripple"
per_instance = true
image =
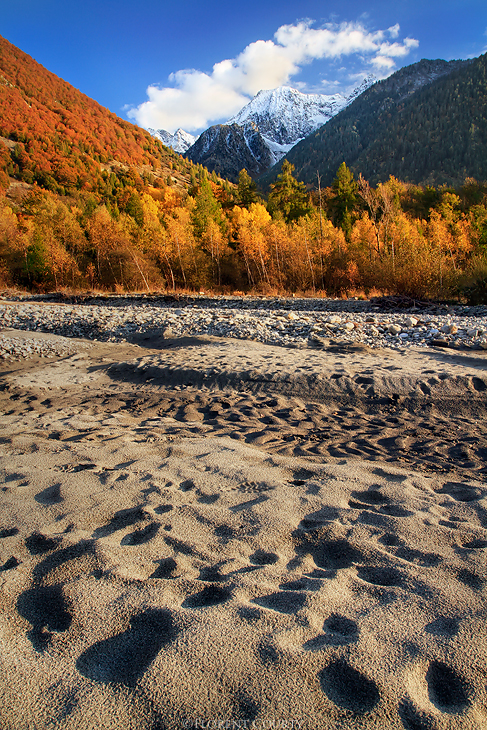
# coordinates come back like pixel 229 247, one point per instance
pixel 233 535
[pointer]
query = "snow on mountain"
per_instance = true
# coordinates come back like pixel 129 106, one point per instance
pixel 363 86
pixel 266 129
pixel 180 141
pixel 284 116
pixel 281 116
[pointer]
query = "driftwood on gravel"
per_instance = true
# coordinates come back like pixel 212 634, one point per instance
pixel 401 301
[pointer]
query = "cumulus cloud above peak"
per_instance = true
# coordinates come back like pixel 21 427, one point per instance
pixel 196 99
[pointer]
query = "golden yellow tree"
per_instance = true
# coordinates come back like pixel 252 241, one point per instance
pixel 250 227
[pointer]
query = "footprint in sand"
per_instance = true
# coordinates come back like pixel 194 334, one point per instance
pixel 443 626
pixel 461 492
pixel 327 554
pixel 207 498
pixel 283 602
pixel 36 543
pixel 339 630
pixel 300 476
pixel 47 609
pixel 211 595
pixel 318 519
pixel 341 626
pixel 374 501
pixel 144 534
pixel 390 540
pixel 381 575
pixel 261 557
pixel 395 510
pixel 372 497
pixel 82 467
pixel 254 487
pixel 447 691
pixel 478 384
pixel 187 485
pixel 336 554
pixel 415 719
pixel 179 546
pixel 470 579
pixel 248 504
pixel 268 652
pixel 417 557
pixel 49 496
pixel 167 569
pixel 349 688
pixel 9 564
pixel 211 573
pixel 121 519
pixel 163 508
pixel 245 711
pixel 224 533
pixel 125 657
pixel 361 380
pixel 15 477
pixel 81 557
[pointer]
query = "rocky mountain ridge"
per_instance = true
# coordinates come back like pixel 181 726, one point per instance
pixel 228 148
pixel 266 129
pixel 180 141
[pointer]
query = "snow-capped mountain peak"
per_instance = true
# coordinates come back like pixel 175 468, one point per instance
pixel 180 141
pixel 267 128
pixel 282 117
pixel 363 86
pixel 285 115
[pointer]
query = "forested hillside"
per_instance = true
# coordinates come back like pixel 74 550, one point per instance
pixel 63 140
pixel 426 124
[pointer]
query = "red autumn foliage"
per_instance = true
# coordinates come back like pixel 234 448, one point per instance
pixel 60 132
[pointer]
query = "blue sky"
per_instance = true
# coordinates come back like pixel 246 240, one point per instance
pixel 191 64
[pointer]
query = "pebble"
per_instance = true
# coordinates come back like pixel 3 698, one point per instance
pixel 449 329
pixel 276 321
pixel 394 329
pixel 410 322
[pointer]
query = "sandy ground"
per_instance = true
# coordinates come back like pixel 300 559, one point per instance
pixel 216 533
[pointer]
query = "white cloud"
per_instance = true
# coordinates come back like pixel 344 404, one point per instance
pixel 189 104
pixel 383 63
pixel 196 99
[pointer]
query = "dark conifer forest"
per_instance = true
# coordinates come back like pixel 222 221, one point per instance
pixel 428 133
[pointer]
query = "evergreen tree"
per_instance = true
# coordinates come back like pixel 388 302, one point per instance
pixel 344 199
pixel 425 124
pixel 288 197
pixel 134 208
pixel 246 190
pixel 206 209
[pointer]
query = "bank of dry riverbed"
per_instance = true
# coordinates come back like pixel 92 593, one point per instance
pixel 285 322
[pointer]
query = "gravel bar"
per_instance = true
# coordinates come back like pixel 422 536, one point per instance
pixel 293 322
